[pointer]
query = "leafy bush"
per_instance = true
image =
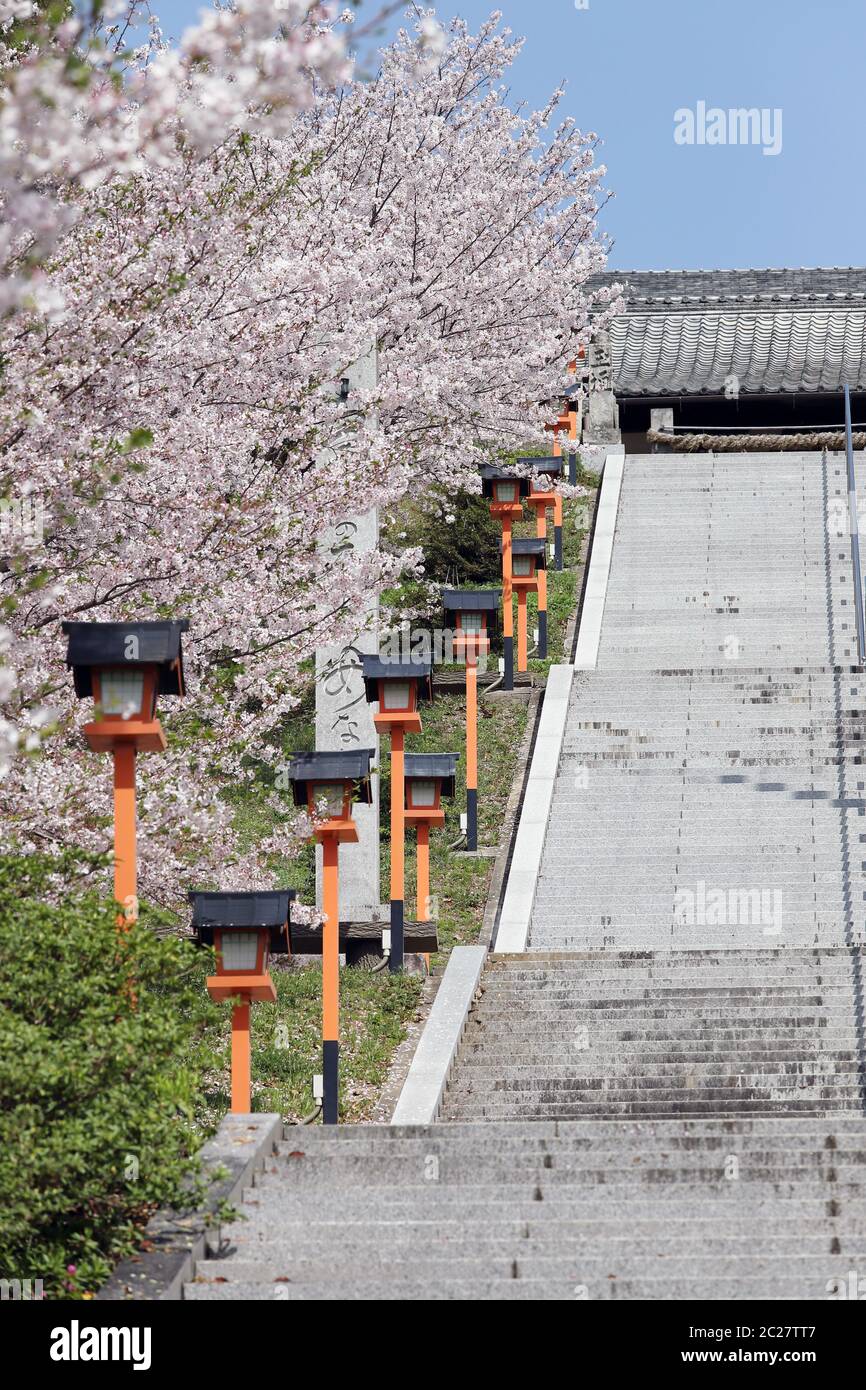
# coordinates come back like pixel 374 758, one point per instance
pixel 101 1057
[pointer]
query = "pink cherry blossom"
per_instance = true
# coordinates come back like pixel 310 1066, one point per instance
pixel 196 259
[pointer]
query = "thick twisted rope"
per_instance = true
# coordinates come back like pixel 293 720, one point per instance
pixel 834 440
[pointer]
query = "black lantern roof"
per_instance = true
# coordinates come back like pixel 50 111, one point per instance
pixel 491 475
pixel 549 464
pixel 331 767
pixel 535 546
pixel 243 912
pixel 110 644
pixel 376 670
pixel 432 766
pixel 471 600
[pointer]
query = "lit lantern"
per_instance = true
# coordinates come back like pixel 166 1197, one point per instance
pixel 429 778
pixel 473 613
pixel 328 784
pixel 397 688
pixel 244 928
pixel 124 668
pixel 505 490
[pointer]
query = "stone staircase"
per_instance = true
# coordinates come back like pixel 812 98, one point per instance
pixel 597 1209
pixel 664 1098
pixel 664 1035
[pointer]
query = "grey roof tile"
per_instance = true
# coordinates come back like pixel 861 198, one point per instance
pixel 687 332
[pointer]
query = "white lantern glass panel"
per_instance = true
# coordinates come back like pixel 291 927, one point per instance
pixel 121 692
pixel 240 950
pixel 395 695
pixel 506 492
pixel 522 565
pixel 332 794
pixel 423 792
pixel 470 622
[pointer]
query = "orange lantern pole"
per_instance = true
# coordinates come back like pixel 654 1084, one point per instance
pixel 398 849
pixel 330 979
pixel 241 1099
pixel 572 453
pixel 422 895
pixel 470 610
pixel 326 783
pixel 529 560
pixel 563 424
pixel 573 423
pixel 422 875
pixel 507 606
pixel 541 534
pixel 471 747
pixel 540 499
pixel 522 661
pixel 125 857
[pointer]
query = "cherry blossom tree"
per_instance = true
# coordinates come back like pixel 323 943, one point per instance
pixel 172 395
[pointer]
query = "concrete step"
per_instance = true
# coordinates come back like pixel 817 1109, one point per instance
pixel 688 989
pixel 515 1290
pixel 818 1129
pixel 803 1272
pixel 610 1151
pixel 671 1239
pixel 528 1070
pixel 573 1171
pixel 466 1106
pixel 615 960
pixel 723 1202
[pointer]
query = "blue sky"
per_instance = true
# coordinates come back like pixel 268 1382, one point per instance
pixel 631 64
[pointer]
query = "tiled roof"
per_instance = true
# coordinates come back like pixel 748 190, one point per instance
pixel 690 332
pixel 693 354
pixel 654 289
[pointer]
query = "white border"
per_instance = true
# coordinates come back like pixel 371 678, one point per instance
pixel 589 636
pixel 428 1075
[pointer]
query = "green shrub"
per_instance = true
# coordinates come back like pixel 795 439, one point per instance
pixel 100 1062
pixel 463 551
